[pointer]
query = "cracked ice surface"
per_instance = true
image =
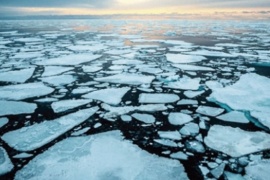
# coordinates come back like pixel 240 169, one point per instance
pixel 32 137
pixel 110 157
pixel 236 142
pixel 24 91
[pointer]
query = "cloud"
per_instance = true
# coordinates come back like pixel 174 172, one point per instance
pixel 58 3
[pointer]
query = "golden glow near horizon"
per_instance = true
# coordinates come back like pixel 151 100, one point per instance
pixel 137 7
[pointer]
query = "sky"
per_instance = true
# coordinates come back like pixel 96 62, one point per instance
pixel 252 8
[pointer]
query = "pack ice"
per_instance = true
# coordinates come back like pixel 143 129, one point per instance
pixel 250 93
pixel 34 136
pixel 236 142
pixel 100 156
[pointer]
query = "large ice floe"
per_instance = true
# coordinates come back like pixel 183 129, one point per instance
pixel 5 162
pixel 132 79
pixel 16 107
pixel 100 156
pixel 251 93
pixel 19 76
pixel 23 91
pixel 111 96
pixel 236 142
pixel 184 83
pixel 258 170
pixel 32 137
pixel 73 59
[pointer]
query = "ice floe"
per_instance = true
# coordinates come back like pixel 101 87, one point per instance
pixel 73 59
pixel 146 118
pixel 111 96
pixel 24 91
pixel 177 118
pixel 16 107
pixel 158 98
pixel 3 121
pixel 235 141
pixel 188 67
pixel 190 129
pixel 117 111
pixel 110 157
pixel 234 116
pixel 181 58
pixel 209 111
pixel 173 135
pixel 241 95
pixel 34 136
pixel 132 79
pixel 59 80
pixel 64 105
pixel 5 163
pixel 55 70
pixel 258 170
pixel 19 76
pixel 184 83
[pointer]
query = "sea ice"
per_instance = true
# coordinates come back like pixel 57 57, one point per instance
pixel 55 70
pixel 184 83
pixel 166 142
pixel 16 107
pixel 91 69
pixel 23 91
pixel 181 58
pixel 193 94
pixel 73 59
pixel 209 111
pixel 35 136
pixel 64 105
pixel 157 98
pixel 234 116
pixel 111 96
pixel 100 156
pixel 258 170
pixel 176 118
pixel 5 163
pixel 179 155
pixel 187 102
pixel 211 53
pixel 117 111
pixel 173 135
pixel 243 95
pixel 190 129
pixel 59 80
pixel 131 79
pixel 236 142
pixel 187 67
pixel 3 121
pixel 19 76
pixel 146 118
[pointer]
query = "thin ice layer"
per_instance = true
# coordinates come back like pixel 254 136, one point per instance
pixel 100 156
pixel 16 107
pixel 132 79
pixel 19 76
pixel 236 142
pixel 111 96
pixel 24 91
pixel 35 136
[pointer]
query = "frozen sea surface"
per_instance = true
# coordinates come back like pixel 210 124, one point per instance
pixel 134 99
